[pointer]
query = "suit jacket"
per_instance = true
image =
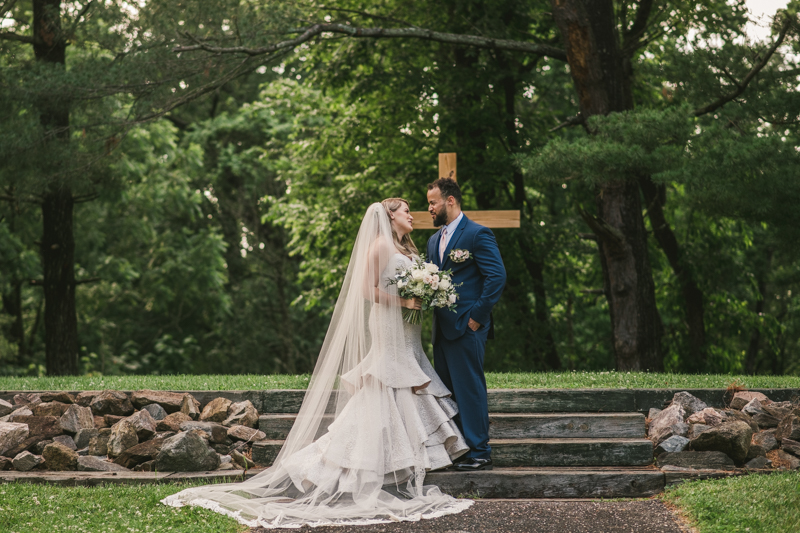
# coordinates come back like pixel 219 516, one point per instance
pixel 483 276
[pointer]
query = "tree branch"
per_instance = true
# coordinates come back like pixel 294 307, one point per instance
pixel 639 25
pixel 571 121
pixel 11 36
pixel 384 33
pixel 6 7
pixel 610 235
pixel 741 87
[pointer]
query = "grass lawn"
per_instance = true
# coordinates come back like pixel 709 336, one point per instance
pixel 755 503
pixel 540 380
pixel 28 508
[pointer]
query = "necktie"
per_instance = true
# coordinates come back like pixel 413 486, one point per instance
pixel 442 244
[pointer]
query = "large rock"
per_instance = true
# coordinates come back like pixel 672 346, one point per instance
pixel 730 438
pixel 660 426
pixel 16 413
pixel 58 396
pixel 84 436
pixel 90 463
pixel 84 399
pixel 706 460
pixel 690 404
pixel 110 402
pixel 12 434
pixel 6 408
pixel 186 452
pixel 761 443
pixel 99 444
pixel 76 418
pixel 156 411
pixel 742 398
pixel 241 460
pixel 243 414
pixel 676 443
pixel 781 459
pixel 779 409
pixel 172 422
pixel 49 409
pixel 170 401
pixel 216 410
pixel 765 420
pixel 789 428
pixel 190 407
pixel 758 463
pixel 217 433
pixel 708 417
pixel 753 408
pixel 791 446
pixel 696 429
pixel 6 463
pixel 766 440
pixel 59 457
pixel 140 453
pixel 144 423
pixel 38 448
pixel 39 428
pixel 123 436
pixel 25 461
pixel 251 435
pixel 110 420
pixel 27 398
pixel 733 414
pixel 100 422
pixel 66 440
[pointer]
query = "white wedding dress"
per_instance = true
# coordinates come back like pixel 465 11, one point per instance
pixel 369 464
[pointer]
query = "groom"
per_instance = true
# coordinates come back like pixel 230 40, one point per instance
pixel 459 339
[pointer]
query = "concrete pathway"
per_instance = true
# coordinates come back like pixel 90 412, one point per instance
pixel 539 516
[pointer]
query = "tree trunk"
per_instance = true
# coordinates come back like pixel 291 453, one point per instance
pixel 692 295
pixel 12 306
pixel 58 258
pixel 58 245
pixel 596 65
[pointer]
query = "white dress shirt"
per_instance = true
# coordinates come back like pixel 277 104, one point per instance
pixel 451 228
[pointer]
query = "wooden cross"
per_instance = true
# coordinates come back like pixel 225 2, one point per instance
pixel 490 219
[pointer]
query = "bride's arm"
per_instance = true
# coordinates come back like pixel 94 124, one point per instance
pixel 378 258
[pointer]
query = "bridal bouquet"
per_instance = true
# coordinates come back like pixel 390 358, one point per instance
pixel 425 281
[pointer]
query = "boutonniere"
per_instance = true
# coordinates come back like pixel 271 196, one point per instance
pixel 459 256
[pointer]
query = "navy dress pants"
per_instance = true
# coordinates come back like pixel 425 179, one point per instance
pixel 460 365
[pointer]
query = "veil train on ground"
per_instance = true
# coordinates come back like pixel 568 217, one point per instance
pixel 363 439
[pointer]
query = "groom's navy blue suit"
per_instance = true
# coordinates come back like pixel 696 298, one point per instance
pixel 457 350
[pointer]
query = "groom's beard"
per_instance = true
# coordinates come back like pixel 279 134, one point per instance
pixel 440 219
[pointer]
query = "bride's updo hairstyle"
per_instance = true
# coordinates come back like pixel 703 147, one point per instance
pixel 405 245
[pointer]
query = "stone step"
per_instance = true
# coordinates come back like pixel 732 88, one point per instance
pixel 534 452
pixel 598 482
pixel 517 426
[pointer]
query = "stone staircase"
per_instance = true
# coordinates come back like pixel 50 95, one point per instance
pixel 578 445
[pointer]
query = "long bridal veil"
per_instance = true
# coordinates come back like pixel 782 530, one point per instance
pixel 356 453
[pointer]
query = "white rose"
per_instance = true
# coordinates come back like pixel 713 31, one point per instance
pixel 418 274
pixel 430 267
pixel 435 285
pixel 401 284
pixel 444 284
pixel 427 279
pixel 452 299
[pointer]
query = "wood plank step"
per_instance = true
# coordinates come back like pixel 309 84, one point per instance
pixel 518 426
pixel 534 452
pixel 548 482
pixel 600 482
pixel 501 400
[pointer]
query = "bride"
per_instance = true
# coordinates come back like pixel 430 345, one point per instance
pixel 375 416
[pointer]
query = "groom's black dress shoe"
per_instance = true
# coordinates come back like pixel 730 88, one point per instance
pixel 472 464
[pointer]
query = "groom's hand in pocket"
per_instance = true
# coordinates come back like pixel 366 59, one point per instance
pixel 474 326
